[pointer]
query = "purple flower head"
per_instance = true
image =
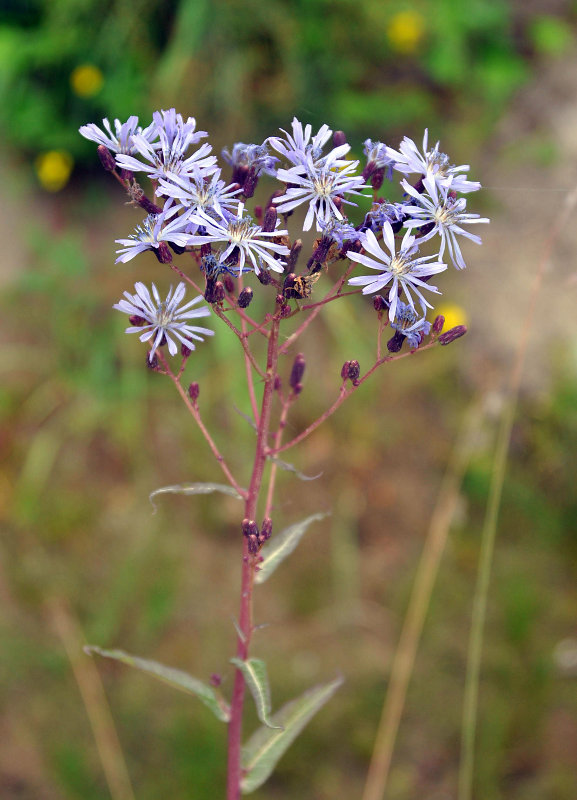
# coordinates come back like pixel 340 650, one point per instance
pixel 121 139
pixel 154 230
pixel 338 230
pixel 401 269
pixel 241 234
pixel 245 157
pixel 445 213
pixel 385 212
pixel 410 324
pixel 320 185
pixel 431 164
pixel 300 149
pixel 378 157
pixel 199 192
pixel 165 320
pixel 168 156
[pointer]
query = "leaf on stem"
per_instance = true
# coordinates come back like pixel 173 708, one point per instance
pixel 246 417
pixel 281 546
pixel 254 671
pixel 291 468
pixel 193 488
pixel 266 746
pixel 174 677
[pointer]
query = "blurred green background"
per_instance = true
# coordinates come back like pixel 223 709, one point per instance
pixel 87 432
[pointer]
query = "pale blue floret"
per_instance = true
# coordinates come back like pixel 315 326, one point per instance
pixel 164 319
pixel 408 322
pixel 153 230
pixel 404 272
pixel 119 140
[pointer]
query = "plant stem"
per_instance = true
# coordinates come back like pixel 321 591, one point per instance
pixel 249 562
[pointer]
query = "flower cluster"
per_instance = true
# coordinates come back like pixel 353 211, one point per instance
pixel 194 210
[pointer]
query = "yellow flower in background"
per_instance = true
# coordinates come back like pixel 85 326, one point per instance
pixel 454 315
pixel 86 80
pixel 405 31
pixel 53 169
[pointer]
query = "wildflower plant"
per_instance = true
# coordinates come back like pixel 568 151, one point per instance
pixel 201 228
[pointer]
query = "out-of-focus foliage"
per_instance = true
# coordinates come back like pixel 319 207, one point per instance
pixel 371 65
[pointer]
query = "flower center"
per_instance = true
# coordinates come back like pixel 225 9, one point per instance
pixel 437 163
pixel 324 184
pixel 400 265
pixel 241 230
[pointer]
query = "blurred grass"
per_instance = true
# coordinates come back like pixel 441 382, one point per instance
pixel 88 432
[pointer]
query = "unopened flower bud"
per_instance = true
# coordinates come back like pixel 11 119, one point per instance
pixel 152 363
pixel 266 529
pixel 270 219
pixel 250 184
pixel 277 383
pixel 438 324
pixel 185 351
pixel 451 335
pixel 249 527
pixel 228 284
pixel 289 284
pixel 176 248
pixel 253 545
pixel 379 303
pixel 354 370
pixel 279 300
pixel 137 321
pixel 264 277
pixel 163 254
pixel 322 250
pixel 214 292
pixel 245 297
pixel 339 138
pixel 294 254
pixel 396 342
pixel 285 310
pixel 297 372
pixel 215 680
pixel 194 391
pixel 345 370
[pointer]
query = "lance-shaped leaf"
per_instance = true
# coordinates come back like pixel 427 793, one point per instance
pixel 174 677
pixel 265 747
pixel 193 488
pixel 282 545
pixel 291 468
pixel 254 671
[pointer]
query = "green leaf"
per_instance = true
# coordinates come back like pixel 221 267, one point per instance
pixel 174 677
pixel 291 468
pixel 254 671
pixel 265 747
pixel 194 488
pixel 281 546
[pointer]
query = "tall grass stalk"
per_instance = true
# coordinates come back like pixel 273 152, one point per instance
pixel 489 533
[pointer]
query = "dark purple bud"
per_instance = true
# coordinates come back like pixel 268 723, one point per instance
pixel 277 383
pixel 322 250
pixel 205 249
pixel 138 322
pixel 438 324
pixel 185 351
pixel 285 310
pixel 345 370
pixel 419 186
pixel 379 303
pixel 250 183
pixel 152 363
pixel 253 545
pixel 194 391
pixel 377 178
pixel 126 175
pixel 294 254
pixel 264 277
pixel 297 371
pixel 148 205
pixel 266 529
pixel 339 138
pixel 229 284
pixel 215 680
pixel 396 342
pixel 214 292
pixel 163 254
pixel 270 219
pixel 354 370
pixel 279 300
pixel 249 527
pixel 245 297
pixel 451 335
pixel 176 248
pixel 258 212
pixel 106 158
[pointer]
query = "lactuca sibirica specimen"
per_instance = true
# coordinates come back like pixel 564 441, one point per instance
pixel 200 226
